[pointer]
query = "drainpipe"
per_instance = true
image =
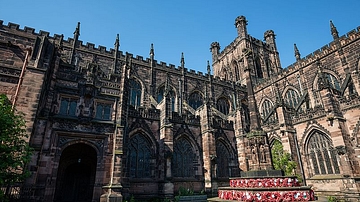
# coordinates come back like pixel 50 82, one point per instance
pixel 28 51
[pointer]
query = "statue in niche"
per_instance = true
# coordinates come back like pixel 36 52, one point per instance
pixel 253 154
pixel 262 154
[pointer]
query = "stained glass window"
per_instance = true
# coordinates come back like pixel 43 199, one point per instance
pixel 183 159
pixel 322 154
pixel 195 100
pixel 135 93
pixel 139 152
pixel 223 105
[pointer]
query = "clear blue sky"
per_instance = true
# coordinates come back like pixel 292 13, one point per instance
pixel 187 26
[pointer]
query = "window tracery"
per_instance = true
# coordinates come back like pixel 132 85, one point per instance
pixel 139 152
pixel 292 98
pixel 333 82
pixel 223 105
pixel 266 109
pixel 322 155
pixel 223 160
pixel 195 100
pixel 135 93
pixel 183 159
pixel 160 97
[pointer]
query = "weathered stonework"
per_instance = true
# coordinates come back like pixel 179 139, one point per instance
pixel 126 126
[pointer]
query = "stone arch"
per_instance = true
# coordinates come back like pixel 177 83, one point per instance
pixel 236 68
pixel 258 67
pixel 223 104
pixel 225 156
pixel 141 155
pixel 186 156
pixel 320 154
pixel 265 107
pixel 173 95
pixel 272 138
pixel 291 96
pixel 76 172
pixel 325 71
pixel 196 99
pixel 135 97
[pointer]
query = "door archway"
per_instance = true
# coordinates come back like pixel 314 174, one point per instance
pixel 76 174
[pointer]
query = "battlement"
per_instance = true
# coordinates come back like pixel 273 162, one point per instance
pixel 90 47
pixel 311 58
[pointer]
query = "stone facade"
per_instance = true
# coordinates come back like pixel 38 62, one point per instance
pixel 107 125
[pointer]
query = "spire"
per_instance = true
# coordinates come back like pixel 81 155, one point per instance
pixel 208 68
pixel 182 62
pixel 77 31
pixel 117 42
pixel 334 31
pixel 152 51
pixel 297 53
pixel 76 37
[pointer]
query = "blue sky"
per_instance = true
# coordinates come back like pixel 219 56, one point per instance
pixel 187 26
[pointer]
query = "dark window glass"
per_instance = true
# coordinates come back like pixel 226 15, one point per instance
pixel 183 159
pixel 160 97
pixel 222 160
pixel 195 100
pixel 68 106
pixel 223 106
pixel 334 83
pixel 135 93
pixel 103 111
pixel 139 157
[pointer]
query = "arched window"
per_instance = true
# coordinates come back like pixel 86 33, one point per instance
pixel 292 98
pixel 321 155
pixel 259 71
pixel 139 152
pixel 183 159
pixel 135 93
pixel 160 97
pixel 195 100
pixel 266 109
pixel 236 69
pixel 223 160
pixel 334 83
pixel 223 105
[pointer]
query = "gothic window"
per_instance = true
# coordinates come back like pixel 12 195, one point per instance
pixel 103 111
pixel 223 105
pixel 266 109
pixel 195 100
pixel 334 83
pixel 183 159
pixel 135 93
pixel 160 97
pixel 245 116
pixel 292 98
pixel 237 72
pixel 139 153
pixel 223 160
pixel 259 71
pixel 322 155
pixel 68 106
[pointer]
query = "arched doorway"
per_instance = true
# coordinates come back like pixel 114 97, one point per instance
pixel 76 174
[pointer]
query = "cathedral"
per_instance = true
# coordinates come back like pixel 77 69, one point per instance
pixel 106 125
